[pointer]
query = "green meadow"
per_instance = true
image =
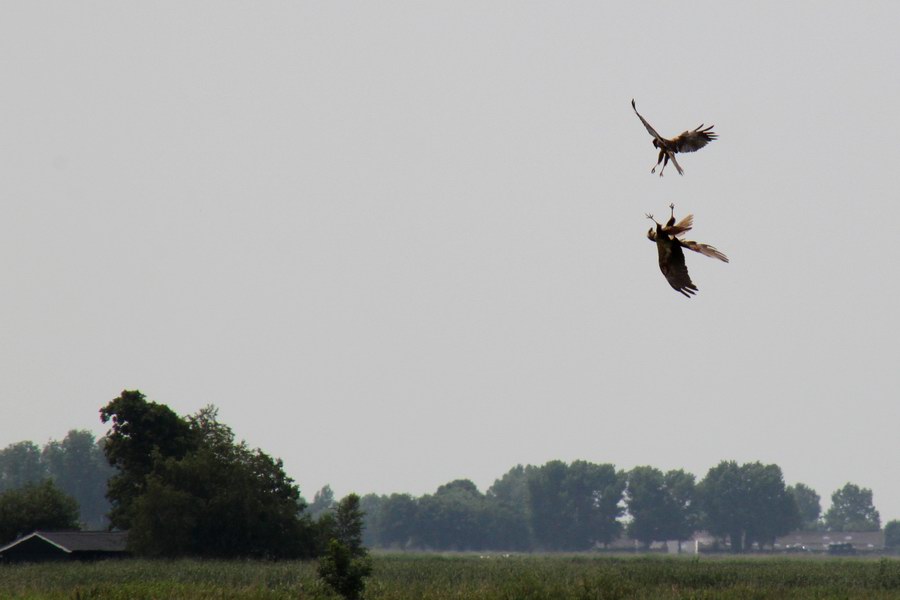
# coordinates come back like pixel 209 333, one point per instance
pixel 489 577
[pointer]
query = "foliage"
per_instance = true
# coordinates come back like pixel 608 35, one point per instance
pixel 342 571
pixel 808 505
pixel 323 501
pixel 20 464
pixel 142 435
pixel 892 535
pixel 199 492
pixel 371 505
pixel 78 466
pixel 348 525
pixel 747 503
pixel 346 563
pixel 397 519
pixel 35 506
pixel 451 518
pixel 852 510
pixel 662 506
pixel 574 507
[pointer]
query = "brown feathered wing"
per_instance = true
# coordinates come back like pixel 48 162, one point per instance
pixel 691 141
pixel 646 124
pixel 704 249
pixel 671 263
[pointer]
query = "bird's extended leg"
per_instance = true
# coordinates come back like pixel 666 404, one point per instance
pixel 659 159
pixel 672 218
pixel 677 166
pixel 665 162
pixel 649 216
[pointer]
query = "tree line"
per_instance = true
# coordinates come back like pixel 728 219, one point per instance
pixel 184 485
pixel 76 466
pixel 578 506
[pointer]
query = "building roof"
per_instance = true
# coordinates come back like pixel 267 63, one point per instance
pixel 78 541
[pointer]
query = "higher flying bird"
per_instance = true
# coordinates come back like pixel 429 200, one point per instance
pixel 671 257
pixel 689 141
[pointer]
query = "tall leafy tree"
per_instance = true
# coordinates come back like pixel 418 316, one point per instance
pixel 771 507
pixel 576 506
pixel 747 503
pixel 346 562
pixel 198 491
pixel 79 468
pixel 451 518
pixel 20 464
pixel 662 505
pixel 892 535
pixel 142 434
pixel 397 520
pixel 35 506
pixel 852 510
pixel 323 501
pixel 371 505
pixel 512 489
pixel 808 505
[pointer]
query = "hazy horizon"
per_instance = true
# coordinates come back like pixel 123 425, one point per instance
pixel 403 243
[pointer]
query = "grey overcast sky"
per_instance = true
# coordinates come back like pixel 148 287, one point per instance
pixel 400 243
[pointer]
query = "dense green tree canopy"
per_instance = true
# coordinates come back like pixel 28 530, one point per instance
pixel 808 505
pixel 892 535
pixel 199 492
pixel 20 464
pixel 79 468
pixel 852 510
pixel 35 506
pixel 323 501
pixel 662 506
pixel 345 563
pixel 747 503
pixel 142 435
pixel 576 506
pixel 397 520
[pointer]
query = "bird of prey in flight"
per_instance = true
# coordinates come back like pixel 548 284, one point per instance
pixel 671 257
pixel 689 141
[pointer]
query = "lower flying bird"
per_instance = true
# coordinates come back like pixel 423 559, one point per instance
pixel 689 141
pixel 671 257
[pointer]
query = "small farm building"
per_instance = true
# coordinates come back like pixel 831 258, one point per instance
pixel 66 545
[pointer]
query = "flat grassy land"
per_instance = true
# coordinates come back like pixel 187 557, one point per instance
pixel 439 577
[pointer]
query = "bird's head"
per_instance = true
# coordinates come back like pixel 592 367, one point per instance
pixel 655 143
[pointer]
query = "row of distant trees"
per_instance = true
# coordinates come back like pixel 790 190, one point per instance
pixel 183 485
pixel 582 505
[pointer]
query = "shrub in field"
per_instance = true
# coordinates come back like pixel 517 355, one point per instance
pixel 344 572
pixel 346 563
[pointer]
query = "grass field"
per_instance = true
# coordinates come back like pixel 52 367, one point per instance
pixel 437 577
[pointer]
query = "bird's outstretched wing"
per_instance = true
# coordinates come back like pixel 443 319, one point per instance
pixel 691 141
pixel 704 249
pixel 671 263
pixel 646 124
